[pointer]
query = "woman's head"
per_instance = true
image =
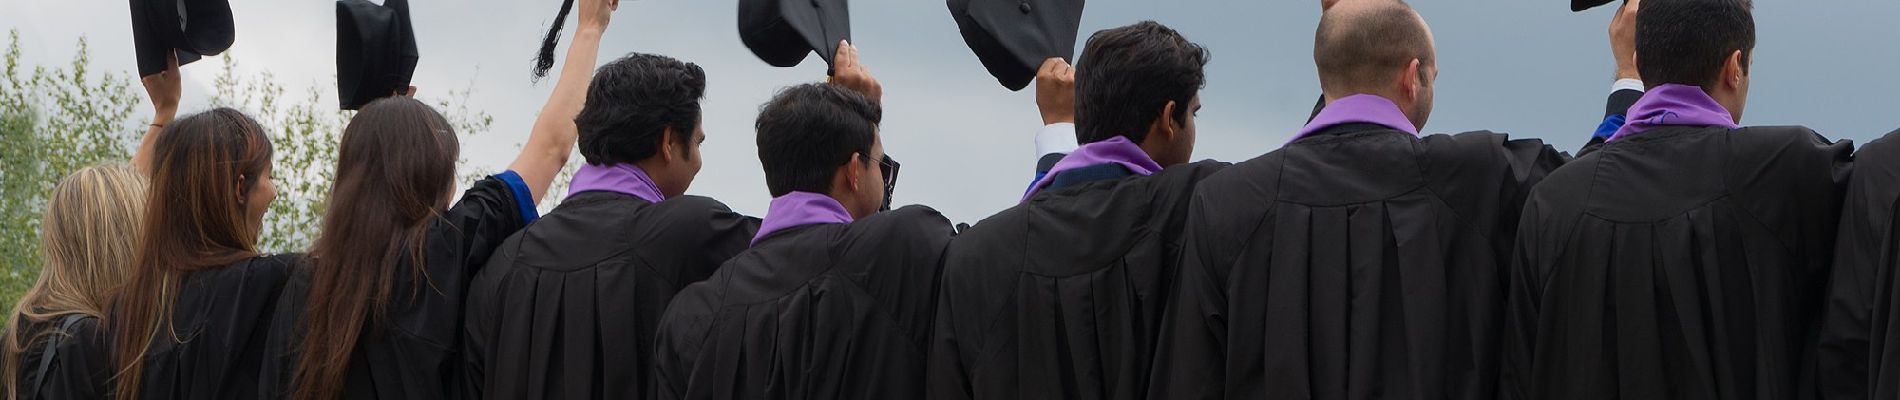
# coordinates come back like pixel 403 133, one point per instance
pixel 395 170
pixel 209 186
pixel 87 236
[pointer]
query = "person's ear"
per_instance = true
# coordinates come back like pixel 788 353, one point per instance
pixel 1164 124
pixel 852 168
pixel 241 192
pixel 1410 80
pixel 1734 70
pixel 667 141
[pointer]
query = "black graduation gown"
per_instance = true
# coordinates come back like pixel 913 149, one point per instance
pixel 1859 353
pixel 415 351
pixel 69 360
pixel 824 311
pixel 567 308
pixel 1681 263
pixel 1360 262
pixel 1060 296
pixel 222 318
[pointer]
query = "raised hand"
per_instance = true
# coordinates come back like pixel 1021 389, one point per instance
pixel 596 14
pixel 1055 91
pixel 1623 40
pixel 165 89
pixel 850 73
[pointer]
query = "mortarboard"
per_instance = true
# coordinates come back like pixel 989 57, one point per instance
pixel 375 50
pixel 189 28
pixel 782 32
pixel 1580 5
pixel 1013 37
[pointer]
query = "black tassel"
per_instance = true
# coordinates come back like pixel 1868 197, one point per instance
pixel 546 59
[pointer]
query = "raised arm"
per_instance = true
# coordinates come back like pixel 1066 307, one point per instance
pixel 1055 99
pixel 164 88
pixel 554 133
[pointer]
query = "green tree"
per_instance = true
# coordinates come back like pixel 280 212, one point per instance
pixel 52 121
pixel 56 120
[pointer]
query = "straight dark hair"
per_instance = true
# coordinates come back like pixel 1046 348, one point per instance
pixel 1687 41
pixel 1126 75
pixel 193 222
pixel 807 131
pixel 394 172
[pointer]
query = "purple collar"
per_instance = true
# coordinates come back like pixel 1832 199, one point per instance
pixel 1117 150
pixel 1674 105
pixel 620 178
pixel 1358 109
pixel 797 209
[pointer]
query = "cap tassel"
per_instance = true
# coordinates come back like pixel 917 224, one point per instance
pixel 545 60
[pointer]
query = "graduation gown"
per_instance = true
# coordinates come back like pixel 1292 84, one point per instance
pixel 70 359
pixel 1060 296
pixel 1358 262
pixel 1859 353
pixel 567 308
pixel 415 351
pixel 821 311
pixel 1680 263
pixel 222 318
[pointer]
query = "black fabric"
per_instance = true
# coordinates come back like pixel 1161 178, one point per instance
pixel 415 351
pixel 567 308
pixel 1087 174
pixel 221 319
pixel 782 32
pixel 1580 5
pixel 189 28
pixel 375 50
pixel 1620 101
pixel 823 311
pixel 71 359
pixel 1013 37
pixel 1060 297
pixel 1048 162
pixel 1859 346
pixel 1680 263
pixel 1360 262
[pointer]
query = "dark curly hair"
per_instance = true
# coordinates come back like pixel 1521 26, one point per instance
pixel 1127 74
pixel 632 101
pixel 807 131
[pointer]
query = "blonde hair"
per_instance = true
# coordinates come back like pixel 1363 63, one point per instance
pixel 88 236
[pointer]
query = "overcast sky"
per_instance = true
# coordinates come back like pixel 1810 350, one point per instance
pixel 1530 68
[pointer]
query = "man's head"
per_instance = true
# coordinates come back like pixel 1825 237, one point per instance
pixel 822 138
pixel 1142 82
pixel 1377 47
pixel 1703 43
pixel 643 109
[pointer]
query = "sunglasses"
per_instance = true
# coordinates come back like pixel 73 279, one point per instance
pixel 888 167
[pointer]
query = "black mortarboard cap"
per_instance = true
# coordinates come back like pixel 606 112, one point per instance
pixel 782 32
pixel 1580 5
pixel 1013 37
pixel 190 28
pixel 375 50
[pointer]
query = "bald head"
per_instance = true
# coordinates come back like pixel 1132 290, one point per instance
pixel 1362 45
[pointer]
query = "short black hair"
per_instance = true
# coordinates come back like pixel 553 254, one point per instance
pixel 807 131
pixel 1357 50
pixel 1687 41
pixel 1125 75
pixel 632 101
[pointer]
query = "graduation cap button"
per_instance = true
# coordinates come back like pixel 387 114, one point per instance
pixel 1025 7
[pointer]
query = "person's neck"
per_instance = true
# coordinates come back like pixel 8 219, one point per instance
pixel 654 168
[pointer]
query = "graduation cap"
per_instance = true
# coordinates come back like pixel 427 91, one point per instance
pixel 782 32
pixel 1013 37
pixel 375 50
pixel 189 28
pixel 1580 5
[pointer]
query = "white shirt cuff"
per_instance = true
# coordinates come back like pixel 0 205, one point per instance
pixel 1056 138
pixel 1626 83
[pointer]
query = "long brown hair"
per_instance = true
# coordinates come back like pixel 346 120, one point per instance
pixel 87 237
pixel 195 220
pixel 395 170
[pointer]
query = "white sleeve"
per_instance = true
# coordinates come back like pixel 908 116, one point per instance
pixel 1056 138
pixel 1627 84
